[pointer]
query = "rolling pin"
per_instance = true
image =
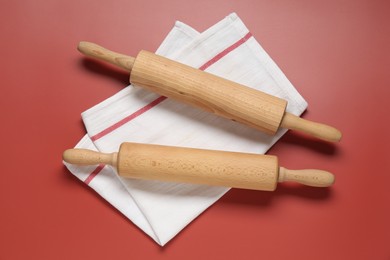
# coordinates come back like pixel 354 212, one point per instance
pixel 190 165
pixel 209 92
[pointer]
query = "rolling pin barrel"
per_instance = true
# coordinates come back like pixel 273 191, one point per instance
pixel 208 92
pixel 189 165
pixel 219 168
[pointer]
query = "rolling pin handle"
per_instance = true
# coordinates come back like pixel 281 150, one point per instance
pixel 89 157
pixel 309 177
pixel 96 51
pixel 321 131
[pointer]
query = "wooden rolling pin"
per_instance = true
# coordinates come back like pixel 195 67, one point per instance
pixel 210 167
pixel 211 93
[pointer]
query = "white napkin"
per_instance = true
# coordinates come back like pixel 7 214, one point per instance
pixel 163 209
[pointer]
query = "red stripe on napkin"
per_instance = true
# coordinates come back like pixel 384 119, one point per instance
pixel 94 173
pixel 226 51
pixel 128 118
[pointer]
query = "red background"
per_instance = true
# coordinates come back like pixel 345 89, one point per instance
pixel 336 53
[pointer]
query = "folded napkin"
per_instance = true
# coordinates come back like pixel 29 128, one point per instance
pixel 162 209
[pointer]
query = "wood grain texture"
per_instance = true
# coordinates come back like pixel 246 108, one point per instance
pixel 208 92
pixel 177 164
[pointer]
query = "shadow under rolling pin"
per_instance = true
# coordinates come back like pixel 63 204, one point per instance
pixel 189 165
pixel 209 92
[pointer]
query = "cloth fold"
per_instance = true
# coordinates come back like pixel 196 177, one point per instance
pixel 162 209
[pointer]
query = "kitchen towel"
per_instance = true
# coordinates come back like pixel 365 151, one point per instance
pixel 162 209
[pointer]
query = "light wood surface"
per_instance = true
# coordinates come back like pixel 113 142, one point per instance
pixel 208 92
pixel 96 51
pixel 321 131
pixel 309 177
pixel 211 93
pixel 189 165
